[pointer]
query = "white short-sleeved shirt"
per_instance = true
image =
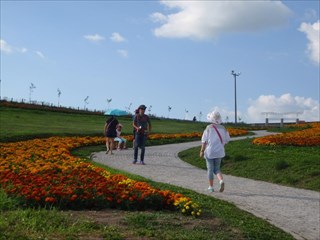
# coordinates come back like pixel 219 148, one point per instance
pixel 214 147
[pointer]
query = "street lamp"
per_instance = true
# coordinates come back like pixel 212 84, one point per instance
pixel 235 75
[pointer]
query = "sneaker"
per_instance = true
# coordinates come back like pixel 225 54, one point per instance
pixel 142 163
pixel 221 186
pixel 134 161
pixel 210 189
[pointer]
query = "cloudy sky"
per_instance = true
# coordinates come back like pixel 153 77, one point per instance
pixel 176 54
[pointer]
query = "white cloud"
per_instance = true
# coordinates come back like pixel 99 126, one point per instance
pixel 208 19
pixel 123 53
pixel 94 38
pixel 116 37
pixel 40 54
pixel 6 48
pixel 313 34
pixel 286 103
pixel 158 17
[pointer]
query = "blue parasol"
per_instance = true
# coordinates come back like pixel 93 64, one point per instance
pixel 116 112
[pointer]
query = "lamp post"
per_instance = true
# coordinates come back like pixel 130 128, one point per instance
pixel 235 75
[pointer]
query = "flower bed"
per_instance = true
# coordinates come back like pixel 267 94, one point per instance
pixel 305 137
pixel 234 132
pixel 42 172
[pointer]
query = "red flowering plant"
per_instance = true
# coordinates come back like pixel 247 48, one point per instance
pixel 42 172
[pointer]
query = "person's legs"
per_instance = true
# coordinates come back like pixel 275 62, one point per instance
pixel 124 143
pixel 142 146
pixel 217 171
pixel 111 144
pixel 107 145
pixel 117 143
pixel 210 166
pixel 133 140
pixel 216 168
pixel 136 146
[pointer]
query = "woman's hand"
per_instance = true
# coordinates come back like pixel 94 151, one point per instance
pixel 201 154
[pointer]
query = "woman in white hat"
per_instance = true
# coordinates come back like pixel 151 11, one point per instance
pixel 214 137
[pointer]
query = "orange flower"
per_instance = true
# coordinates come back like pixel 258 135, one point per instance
pixel 43 171
pixel 302 137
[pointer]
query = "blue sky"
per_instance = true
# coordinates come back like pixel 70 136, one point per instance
pixel 176 53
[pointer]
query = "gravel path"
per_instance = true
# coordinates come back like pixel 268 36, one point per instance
pixel 296 211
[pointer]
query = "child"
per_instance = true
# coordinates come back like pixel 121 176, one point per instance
pixel 122 141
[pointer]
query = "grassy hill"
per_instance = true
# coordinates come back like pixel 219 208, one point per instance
pixel 29 123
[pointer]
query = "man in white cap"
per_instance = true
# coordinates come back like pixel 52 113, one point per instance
pixel 214 137
pixel 142 126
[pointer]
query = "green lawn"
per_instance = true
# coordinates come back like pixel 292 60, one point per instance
pixel 287 165
pixel 17 123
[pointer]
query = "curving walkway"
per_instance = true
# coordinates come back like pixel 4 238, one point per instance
pixel 296 211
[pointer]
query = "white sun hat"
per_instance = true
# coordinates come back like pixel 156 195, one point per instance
pixel 214 117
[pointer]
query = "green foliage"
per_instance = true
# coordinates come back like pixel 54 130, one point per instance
pixel 7 203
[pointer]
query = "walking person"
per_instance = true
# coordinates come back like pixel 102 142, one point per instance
pixel 142 126
pixel 110 131
pixel 214 137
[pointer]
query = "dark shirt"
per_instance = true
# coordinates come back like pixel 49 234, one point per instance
pixel 142 121
pixel 111 130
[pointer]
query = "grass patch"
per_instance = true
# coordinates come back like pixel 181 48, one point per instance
pixel 21 124
pixel 286 165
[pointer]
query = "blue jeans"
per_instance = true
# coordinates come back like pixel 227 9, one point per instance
pixel 213 167
pixel 139 142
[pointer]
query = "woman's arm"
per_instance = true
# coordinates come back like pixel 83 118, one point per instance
pixel 203 147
